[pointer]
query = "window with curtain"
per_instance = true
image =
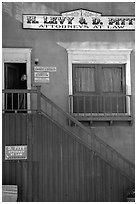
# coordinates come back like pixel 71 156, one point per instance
pixel 84 79
pixel 96 88
pixel 112 79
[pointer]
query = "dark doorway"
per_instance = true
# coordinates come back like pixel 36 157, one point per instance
pixel 15 78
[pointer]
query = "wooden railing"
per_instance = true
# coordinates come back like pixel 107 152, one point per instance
pixel 15 100
pixel 104 104
pixel 58 167
pixel 86 136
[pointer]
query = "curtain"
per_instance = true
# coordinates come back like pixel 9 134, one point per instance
pixel 85 80
pixel 112 79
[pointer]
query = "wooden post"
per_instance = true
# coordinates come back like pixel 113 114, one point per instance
pixel 38 98
pixel 131 105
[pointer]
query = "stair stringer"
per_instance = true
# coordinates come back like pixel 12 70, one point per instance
pixel 86 140
pixel 99 171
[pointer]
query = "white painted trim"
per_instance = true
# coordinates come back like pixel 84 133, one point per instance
pixel 100 56
pixel 18 55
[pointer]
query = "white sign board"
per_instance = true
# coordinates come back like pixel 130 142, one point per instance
pixel 78 20
pixel 45 69
pixel 41 74
pixel 41 80
pixel 15 152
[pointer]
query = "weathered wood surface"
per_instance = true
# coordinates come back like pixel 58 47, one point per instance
pixel 59 167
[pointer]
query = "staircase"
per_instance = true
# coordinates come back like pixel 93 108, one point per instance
pixel 86 136
pixel 94 160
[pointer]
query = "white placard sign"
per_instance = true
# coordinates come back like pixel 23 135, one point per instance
pixel 41 74
pixel 45 69
pixel 17 152
pixel 41 80
pixel 78 20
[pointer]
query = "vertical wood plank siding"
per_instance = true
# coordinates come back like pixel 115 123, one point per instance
pixel 59 167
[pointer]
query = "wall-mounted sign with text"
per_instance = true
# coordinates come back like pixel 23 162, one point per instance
pixel 41 74
pixel 41 80
pixel 16 152
pixel 45 69
pixel 77 20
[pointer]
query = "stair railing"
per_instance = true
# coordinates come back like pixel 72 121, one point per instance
pixel 85 135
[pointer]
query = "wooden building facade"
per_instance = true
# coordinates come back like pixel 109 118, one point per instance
pixel 68 94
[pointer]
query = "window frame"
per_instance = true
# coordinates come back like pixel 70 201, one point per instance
pixel 98 71
pixel 100 56
pixel 17 55
pixel 82 66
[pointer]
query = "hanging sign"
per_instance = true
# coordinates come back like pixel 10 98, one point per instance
pixel 78 20
pixel 15 152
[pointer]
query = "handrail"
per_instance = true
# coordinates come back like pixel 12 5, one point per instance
pixel 111 156
pixel 18 100
pixel 19 91
pixel 91 103
pixel 102 94
pixel 83 127
pixel 85 135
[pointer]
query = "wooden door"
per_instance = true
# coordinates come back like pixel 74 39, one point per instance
pixel 84 77
pixel 13 73
pixel 113 88
pixel 98 88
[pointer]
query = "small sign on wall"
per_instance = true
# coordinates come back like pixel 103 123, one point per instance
pixel 45 69
pixel 41 80
pixel 16 152
pixel 41 74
